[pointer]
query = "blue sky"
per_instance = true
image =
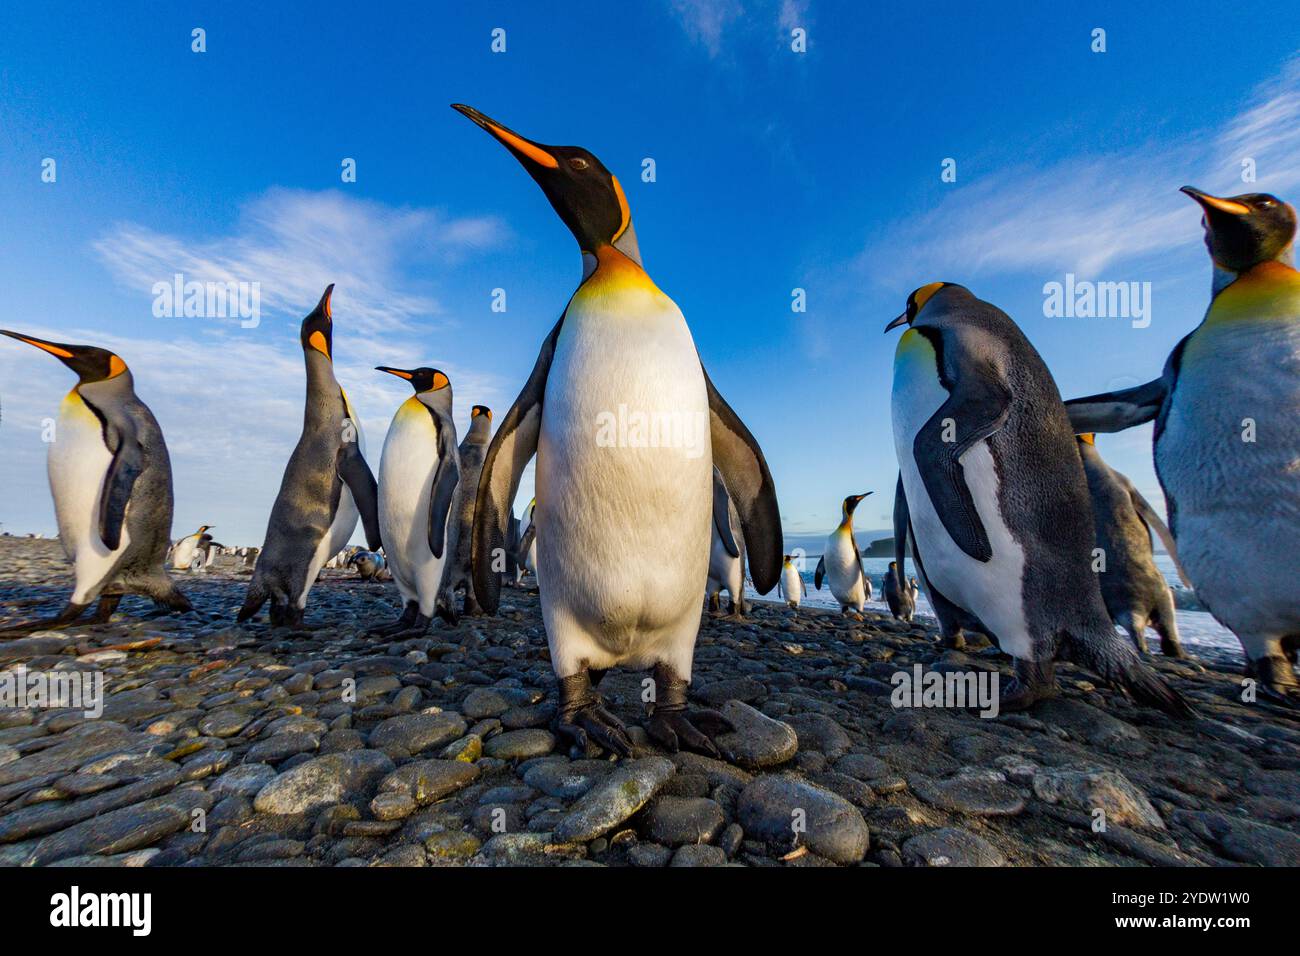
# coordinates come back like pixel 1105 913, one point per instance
pixel 775 170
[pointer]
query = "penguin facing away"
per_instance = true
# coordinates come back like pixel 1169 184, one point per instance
pixel 640 517
pixel 473 449
pixel 841 564
pixel 111 479
pixel 726 552
pixel 791 586
pixel 1133 588
pixel 995 496
pixel 899 595
pixel 326 484
pixel 419 475
pixel 1226 442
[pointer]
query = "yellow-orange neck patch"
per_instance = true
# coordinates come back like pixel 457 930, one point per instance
pixel 317 341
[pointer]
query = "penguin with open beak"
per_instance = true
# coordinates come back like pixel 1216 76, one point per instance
pixel 1226 441
pixel 111 479
pixel 627 516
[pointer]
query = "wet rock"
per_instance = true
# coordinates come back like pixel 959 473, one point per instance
pixel 412 734
pixel 1242 840
pixel 698 855
pixel 622 793
pixel 951 847
pixel 245 780
pixel 1089 789
pixel 484 702
pixel 649 855
pixel 323 780
pixel 675 821
pixel 566 779
pixel 758 741
pixel 520 744
pixel 128 828
pixel 787 812
pixel 426 781
pixel 975 796
pixel 281 747
pixel 818 732
pixel 392 806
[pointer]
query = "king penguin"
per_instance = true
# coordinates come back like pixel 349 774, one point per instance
pixel 473 449
pixel 326 484
pixel 639 513
pixel 791 586
pixel 1135 591
pixel 726 552
pixel 111 480
pixel 1227 433
pixel 841 565
pixel 898 594
pixel 994 493
pixel 525 553
pixel 182 554
pixel 419 475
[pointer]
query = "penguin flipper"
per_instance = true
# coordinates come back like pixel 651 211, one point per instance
pixel 521 556
pixel 356 474
pixel 512 448
pixel 749 482
pixel 722 515
pixel 1152 521
pixel 820 572
pixel 978 405
pixel 1116 411
pixel 123 470
pixel 445 480
pixel 902 522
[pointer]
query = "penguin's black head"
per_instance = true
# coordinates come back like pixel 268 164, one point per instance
pixel 91 364
pixel 585 194
pixel 317 330
pixel 1243 231
pixel 851 503
pixel 478 410
pixel 786 558
pixel 423 379
pixel 915 303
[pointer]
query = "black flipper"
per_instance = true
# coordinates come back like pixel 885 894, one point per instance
pixel 526 542
pixel 820 572
pixel 902 523
pixel 443 494
pixel 978 405
pixel 1153 522
pixel 356 474
pixel 123 470
pixel 722 515
pixel 1116 411
pixel 736 454
pixel 512 448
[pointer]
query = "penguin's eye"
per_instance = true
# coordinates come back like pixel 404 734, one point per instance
pixel 578 164
pixel 1268 203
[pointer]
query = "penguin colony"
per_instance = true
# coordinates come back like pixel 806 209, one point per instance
pixel 1001 496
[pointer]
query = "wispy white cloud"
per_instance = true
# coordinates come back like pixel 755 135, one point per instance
pixel 712 23
pixel 1083 213
pixel 705 21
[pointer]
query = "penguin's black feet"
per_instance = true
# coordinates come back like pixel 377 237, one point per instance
pixel 1034 681
pixel 1277 679
pixel 954 641
pixel 107 605
pixel 583 719
pixel 65 618
pixel 418 628
pixel 409 614
pixel 668 724
pixel 446 610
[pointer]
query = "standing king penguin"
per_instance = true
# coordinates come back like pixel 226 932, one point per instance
pixel 622 563
pixel 112 484
pixel 841 565
pixel 995 497
pixel 726 552
pixel 419 475
pixel 898 594
pixel 1227 433
pixel 1135 591
pixel 182 555
pixel 791 587
pixel 326 484
pixel 473 449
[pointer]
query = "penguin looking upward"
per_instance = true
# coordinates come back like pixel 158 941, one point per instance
pixel 623 560
pixel 473 449
pixel 841 564
pixel 419 478
pixel 111 480
pixel 1226 442
pixel 996 498
pixel 1133 587
pixel 326 484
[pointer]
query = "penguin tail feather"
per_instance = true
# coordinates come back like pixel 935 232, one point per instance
pixel 1113 659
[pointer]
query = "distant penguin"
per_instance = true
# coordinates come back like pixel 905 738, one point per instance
pixel 183 551
pixel 369 564
pixel 473 449
pixel 899 595
pixel 623 559
pixel 792 588
pixel 526 550
pixel 419 476
pixel 726 552
pixel 1135 591
pixel 995 496
pixel 512 548
pixel 841 564
pixel 326 483
pixel 112 485
pixel 1226 442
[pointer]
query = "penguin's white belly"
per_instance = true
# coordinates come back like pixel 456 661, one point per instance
pixel 1235 503
pixel 77 464
pixel 410 460
pixel 341 527
pixel 843 572
pixel 183 554
pixel 791 584
pixel 624 484
pixel 723 568
pixel 992 590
